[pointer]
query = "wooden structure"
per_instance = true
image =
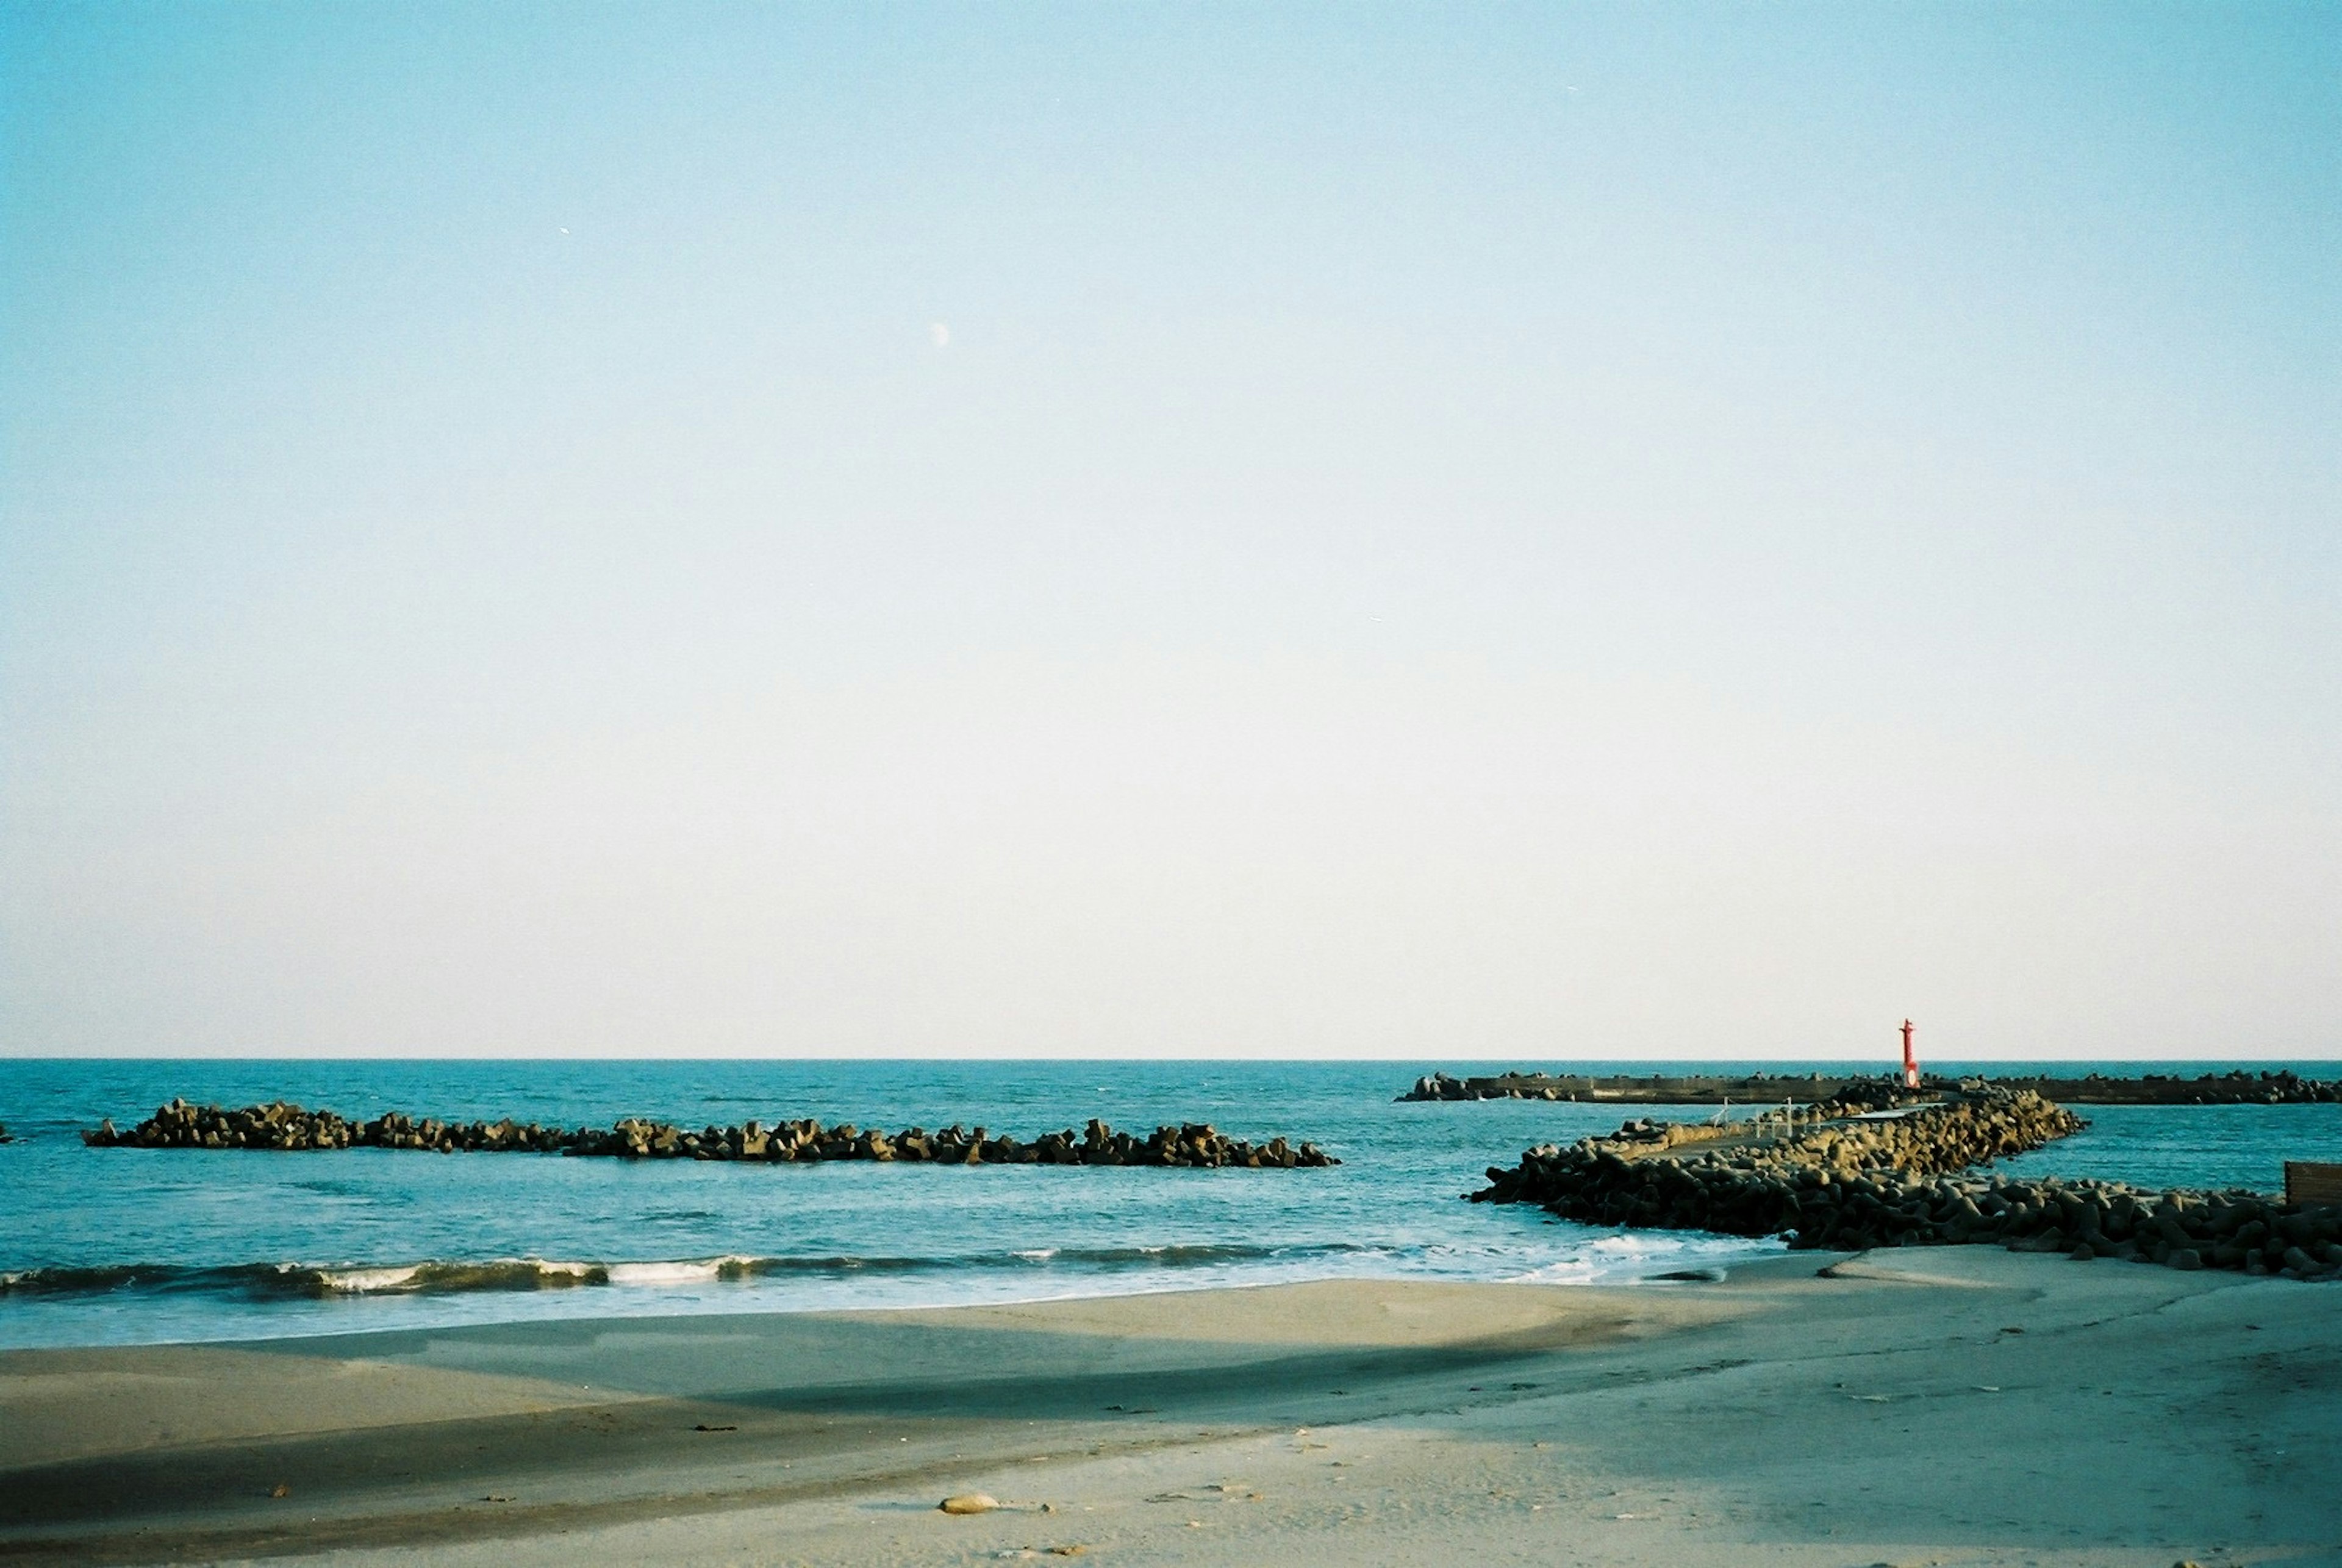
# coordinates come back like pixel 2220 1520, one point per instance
pixel 2312 1181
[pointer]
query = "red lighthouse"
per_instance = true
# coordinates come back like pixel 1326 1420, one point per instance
pixel 1910 1062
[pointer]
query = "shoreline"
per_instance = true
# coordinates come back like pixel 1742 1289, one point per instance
pixel 305 1314
pixel 1803 1410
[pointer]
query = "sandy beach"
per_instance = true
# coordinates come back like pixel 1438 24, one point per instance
pixel 1932 1406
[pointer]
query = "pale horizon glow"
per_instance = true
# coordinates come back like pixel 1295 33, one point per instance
pixel 1571 534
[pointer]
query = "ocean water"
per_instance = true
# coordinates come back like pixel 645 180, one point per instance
pixel 120 1245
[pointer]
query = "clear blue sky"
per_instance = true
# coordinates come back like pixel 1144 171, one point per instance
pixel 1524 532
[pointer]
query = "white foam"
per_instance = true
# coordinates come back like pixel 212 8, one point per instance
pixel 1630 1256
pixel 683 1272
pixel 358 1281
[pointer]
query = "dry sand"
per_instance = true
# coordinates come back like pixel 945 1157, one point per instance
pixel 1921 1407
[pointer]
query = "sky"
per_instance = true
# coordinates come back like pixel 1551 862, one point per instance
pixel 1535 533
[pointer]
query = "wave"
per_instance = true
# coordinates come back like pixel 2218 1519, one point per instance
pixel 76 1281
pixel 280 1280
pixel 446 1276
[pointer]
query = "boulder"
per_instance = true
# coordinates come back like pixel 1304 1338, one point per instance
pixel 969 1502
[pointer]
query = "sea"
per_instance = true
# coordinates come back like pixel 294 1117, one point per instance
pixel 115 1247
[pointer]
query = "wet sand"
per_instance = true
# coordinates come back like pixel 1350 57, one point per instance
pixel 1934 1406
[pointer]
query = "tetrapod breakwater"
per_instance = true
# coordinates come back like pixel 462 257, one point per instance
pixel 290 1128
pixel 1848 1175
pixel 2238 1087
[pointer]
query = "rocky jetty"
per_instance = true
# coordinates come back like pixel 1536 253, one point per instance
pixel 1846 1183
pixel 282 1127
pixel 1703 1089
pixel 2233 1088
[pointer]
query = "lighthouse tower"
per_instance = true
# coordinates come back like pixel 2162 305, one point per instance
pixel 1910 1060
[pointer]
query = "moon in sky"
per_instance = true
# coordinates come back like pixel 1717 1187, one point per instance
pixel 940 333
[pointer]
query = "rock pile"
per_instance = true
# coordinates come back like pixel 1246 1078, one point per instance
pixel 1751 1185
pixel 1849 1185
pixel 1192 1144
pixel 279 1125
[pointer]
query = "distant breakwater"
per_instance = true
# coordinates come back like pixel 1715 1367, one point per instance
pixel 1829 1180
pixel 2236 1088
pixel 290 1128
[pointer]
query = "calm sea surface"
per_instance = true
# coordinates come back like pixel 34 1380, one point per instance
pixel 124 1246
